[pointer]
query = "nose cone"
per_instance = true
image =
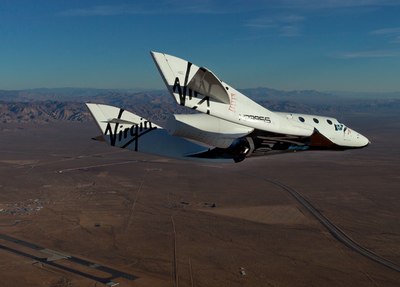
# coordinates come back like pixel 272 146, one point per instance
pixel 362 140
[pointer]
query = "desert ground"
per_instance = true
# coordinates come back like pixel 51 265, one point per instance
pixel 162 222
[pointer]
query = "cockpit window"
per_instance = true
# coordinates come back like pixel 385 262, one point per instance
pixel 301 119
pixel 339 127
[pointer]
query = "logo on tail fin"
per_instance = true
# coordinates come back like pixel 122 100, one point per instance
pixel 123 137
pixel 184 91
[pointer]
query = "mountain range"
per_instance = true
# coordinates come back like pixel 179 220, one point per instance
pixel 67 104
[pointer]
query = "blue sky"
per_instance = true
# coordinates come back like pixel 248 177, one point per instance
pixel 348 45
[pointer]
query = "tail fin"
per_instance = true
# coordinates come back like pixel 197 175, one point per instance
pixel 185 79
pixel 119 127
pixel 124 129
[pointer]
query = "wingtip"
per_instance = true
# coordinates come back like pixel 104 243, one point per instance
pixel 91 106
pixel 155 53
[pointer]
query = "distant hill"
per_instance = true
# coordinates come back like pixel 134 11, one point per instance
pixel 41 112
pixel 67 104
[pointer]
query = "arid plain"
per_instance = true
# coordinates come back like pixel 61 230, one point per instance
pixel 173 223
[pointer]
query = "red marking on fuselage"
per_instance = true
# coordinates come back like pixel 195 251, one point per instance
pixel 232 105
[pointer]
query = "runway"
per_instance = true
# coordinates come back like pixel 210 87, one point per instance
pixel 57 256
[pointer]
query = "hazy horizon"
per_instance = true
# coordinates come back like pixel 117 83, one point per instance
pixel 138 90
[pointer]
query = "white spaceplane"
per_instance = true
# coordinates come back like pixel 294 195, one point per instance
pixel 227 125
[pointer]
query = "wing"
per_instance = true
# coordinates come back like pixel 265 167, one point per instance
pixel 123 129
pixel 199 89
pixel 193 137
